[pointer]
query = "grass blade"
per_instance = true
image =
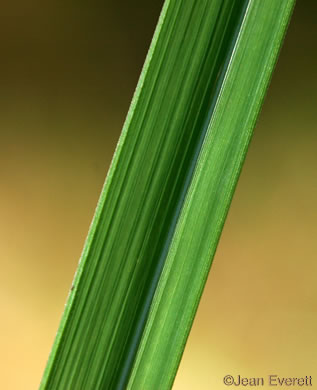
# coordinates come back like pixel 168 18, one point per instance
pixel 166 196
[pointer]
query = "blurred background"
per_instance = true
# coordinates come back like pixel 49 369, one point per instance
pixel 67 74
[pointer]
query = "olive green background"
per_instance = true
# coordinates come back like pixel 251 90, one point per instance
pixel 67 74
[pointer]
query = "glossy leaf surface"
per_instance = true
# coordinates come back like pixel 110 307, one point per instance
pixel 167 193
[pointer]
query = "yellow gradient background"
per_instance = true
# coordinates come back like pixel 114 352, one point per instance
pixel 67 74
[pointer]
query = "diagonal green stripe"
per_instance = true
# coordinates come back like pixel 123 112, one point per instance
pixel 175 167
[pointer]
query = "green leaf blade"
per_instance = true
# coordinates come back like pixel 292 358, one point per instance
pixel 166 195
